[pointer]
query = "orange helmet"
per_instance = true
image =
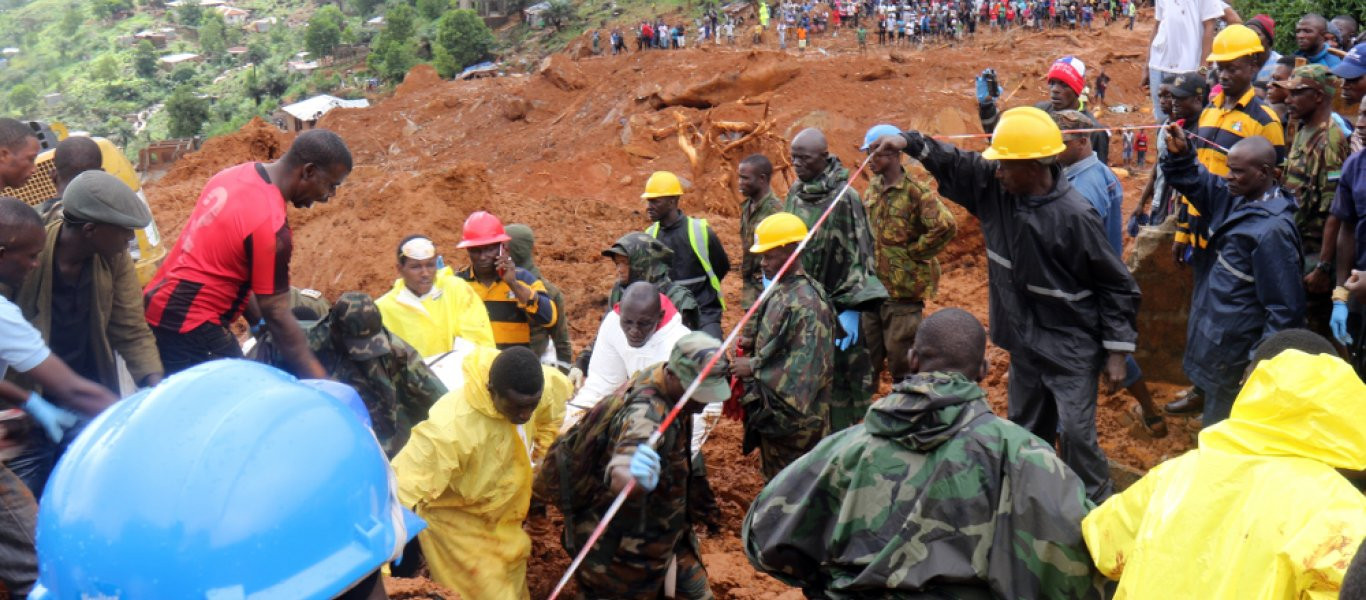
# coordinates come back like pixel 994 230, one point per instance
pixel 482 229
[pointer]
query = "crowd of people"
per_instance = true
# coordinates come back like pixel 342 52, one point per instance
pixel 429 424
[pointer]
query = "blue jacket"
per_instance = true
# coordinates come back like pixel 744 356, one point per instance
pixel 1102 189
pixel 1247 284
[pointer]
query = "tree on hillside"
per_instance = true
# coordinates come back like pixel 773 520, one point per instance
pixel 257 52
pixel 105 68
pixel 213 39
pixel 464 40
pixel 23 100
pixel 432 10
pixel 322 35
pixel 400 22
pixel 559 13
pixel 189 13
pixel 364 8
pixel 186 112
pixel 107 9
pixel 72 20
pixel 392 53
pixel 145 59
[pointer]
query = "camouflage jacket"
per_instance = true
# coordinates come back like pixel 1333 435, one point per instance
pixel 648 530
pixel 1312 169
pixel 752 212
pixel 650 261
pixel 840 255
pixel 793 328
pixel 910 228
pixel 398 388
pixel 932 493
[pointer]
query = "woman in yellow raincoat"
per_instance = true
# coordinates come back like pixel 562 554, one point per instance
pixel 467 470
pixel 1259 510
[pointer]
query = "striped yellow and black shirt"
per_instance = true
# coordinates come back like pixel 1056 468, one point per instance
pixel 511 320
pixel 1250 116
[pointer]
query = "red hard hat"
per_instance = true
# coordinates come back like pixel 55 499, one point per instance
pixel 482 229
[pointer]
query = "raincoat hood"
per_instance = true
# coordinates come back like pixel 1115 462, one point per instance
pixel 1297 405
pixel 927 409
pixel 476 392
pixel 650 259
pixel 521 246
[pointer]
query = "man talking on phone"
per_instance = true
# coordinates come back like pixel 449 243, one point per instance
pixel 515 299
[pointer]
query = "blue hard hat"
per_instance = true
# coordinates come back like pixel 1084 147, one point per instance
pixel 228 480
pixel 877 132
pixel 346 394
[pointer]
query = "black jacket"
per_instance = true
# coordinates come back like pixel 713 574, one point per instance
pixel 1059 295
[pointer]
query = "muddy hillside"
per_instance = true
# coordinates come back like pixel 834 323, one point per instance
pixel 567 148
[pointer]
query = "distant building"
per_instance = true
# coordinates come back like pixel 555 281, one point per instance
pixel 534 15
pixel 262 25
pixel 170 61
pixel 52 100
pixel 9 52
pixel 375 22
pixel 302 66
pixel 305 114
pixel 232 15
pixel 157 38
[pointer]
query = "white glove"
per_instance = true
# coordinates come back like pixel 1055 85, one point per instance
pixel 576 377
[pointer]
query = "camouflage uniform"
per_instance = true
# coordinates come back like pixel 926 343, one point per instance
pixel 521 247
pixel 840 258
pixel 632 557
pixel 355 348
pixel 910 228
pixel 787 400
pixel 650 261
pixel 1312 169
pixel 933 496
pixel 752 212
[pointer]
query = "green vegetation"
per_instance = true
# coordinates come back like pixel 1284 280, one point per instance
pixel 1286 13
pixel 462 40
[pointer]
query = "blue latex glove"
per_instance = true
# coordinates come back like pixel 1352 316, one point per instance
pixel 1339 323
pixel 645 467
pixel 767 282
pixel 983 92
pixel 849 323
pixel 1136 221
pixel 258 328
pixel 54 420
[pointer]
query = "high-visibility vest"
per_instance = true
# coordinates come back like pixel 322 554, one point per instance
pixel 697 238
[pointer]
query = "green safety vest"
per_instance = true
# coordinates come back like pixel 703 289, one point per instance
pixel 697 231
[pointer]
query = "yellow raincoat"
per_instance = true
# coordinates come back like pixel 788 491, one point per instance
pixel 1257 511
pixel 467 471
pixel 430 325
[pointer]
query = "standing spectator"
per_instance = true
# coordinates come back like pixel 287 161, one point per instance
pixel 1310 36
pixel 1173 48
pixel 1141 147
pixel 1130 10
pixel 1128 137
pixel 1265 28
pixel 1102 83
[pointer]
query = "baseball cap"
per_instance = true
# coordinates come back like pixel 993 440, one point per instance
pixel 98 197
pixel 1354 64
pixel 1185 85
pixel 357 322
pixel 1316 77
pixel 689 355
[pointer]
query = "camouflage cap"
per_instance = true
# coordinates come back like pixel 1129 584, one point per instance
pixel 1070 120
pixel 1311 77
pixel 690 355
pixel 356 321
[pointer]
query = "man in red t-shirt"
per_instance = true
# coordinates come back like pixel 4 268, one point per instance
pixel 237 242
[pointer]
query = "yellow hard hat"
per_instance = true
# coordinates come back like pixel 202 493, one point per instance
pixel 1234 41
pixel 661 184
pixel 1024 133
pixel 779 229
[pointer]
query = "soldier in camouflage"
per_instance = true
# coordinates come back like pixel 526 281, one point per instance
pixel 840 258
pixel 522 249
pixel 910 228
pixel 754 174
pixel 1312 169
pixel 933 496
pixel 787 366
pixel 356 349
pixel 654 529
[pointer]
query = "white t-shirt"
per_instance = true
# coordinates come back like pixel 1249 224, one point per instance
pixel 1180 27
pixel 21 346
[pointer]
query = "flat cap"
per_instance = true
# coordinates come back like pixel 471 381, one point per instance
pixel 100 198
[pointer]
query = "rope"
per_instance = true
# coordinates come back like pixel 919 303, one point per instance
pixel 687 394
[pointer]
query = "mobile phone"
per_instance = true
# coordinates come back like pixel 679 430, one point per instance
pixel 502 249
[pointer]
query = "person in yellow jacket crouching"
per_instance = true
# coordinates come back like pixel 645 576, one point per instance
pixel 1259 510
pixel 467 470
pixel 428 310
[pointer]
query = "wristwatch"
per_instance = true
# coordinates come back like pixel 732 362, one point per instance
pixel 1325 267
